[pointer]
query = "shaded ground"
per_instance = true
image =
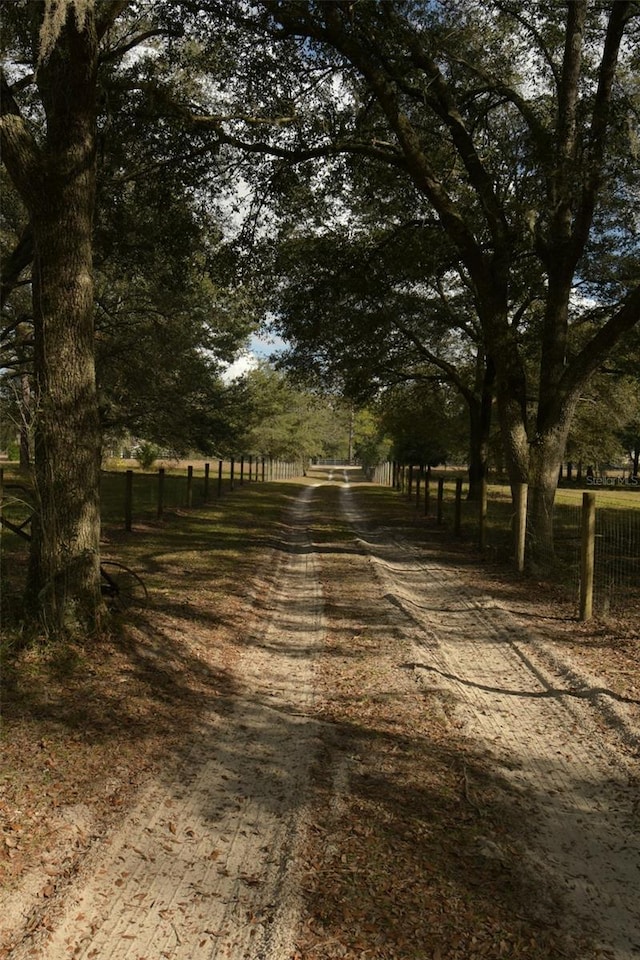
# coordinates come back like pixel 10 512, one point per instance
pixel 367 748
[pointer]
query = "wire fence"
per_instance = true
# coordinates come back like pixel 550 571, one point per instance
pixel 617 560
pixel 134 496
pixel 492 528
pixel 129 495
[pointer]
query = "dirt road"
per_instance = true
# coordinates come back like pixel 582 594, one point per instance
pixel 207 865
pixel 557 735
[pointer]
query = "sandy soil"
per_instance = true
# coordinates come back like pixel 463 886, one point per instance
pixel 199 866
pixel 566 743
pixel 210 863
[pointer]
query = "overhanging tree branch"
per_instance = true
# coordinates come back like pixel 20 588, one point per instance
pixel 20 152
pixel 448 111
pixel 440 363
pixel 590 357
pixel 13 264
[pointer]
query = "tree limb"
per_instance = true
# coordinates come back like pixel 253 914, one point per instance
pixel 300 154
pixel 108 13
pixel 590 357
pixel 620 15
pixel 447 109
pixel 14 263
pixel 519 17
pixel 438 362
pixel 20 152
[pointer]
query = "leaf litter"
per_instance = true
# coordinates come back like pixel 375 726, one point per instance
pixel 411 849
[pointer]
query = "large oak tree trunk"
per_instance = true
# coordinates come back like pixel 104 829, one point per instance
pixel 546 455
pixel 64 581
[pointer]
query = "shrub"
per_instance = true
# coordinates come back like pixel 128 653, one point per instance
pixel 146 454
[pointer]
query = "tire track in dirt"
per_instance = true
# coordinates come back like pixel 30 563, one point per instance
pixel 201 867
pixel 549 734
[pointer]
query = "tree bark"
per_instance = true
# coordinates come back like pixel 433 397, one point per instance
pixel 64 576
pixel 480 415
pixel 545 456
pixel 65 559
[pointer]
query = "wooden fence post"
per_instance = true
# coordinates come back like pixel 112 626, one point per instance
pixel 189 486
pixel 241 471
pixel 206 482
pixel 427 494
pixel 128 500
pixel 440 501
pixel 520 492
pixel 587 555
pixel 232 466
pixel 219 478
pixel 482 519
pixel 457 523
pixel 160 493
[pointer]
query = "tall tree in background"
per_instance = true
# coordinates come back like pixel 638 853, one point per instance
pixel 625 366
pixel 425 423
pixel 286 422
pixel 440 91
pixel 378 306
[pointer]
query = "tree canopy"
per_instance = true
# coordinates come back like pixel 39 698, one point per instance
pixel 519 130
pixel 506 139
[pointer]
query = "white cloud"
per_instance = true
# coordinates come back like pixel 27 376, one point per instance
pixel 244 362
pixel 257 351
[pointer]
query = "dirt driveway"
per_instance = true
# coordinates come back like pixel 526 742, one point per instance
pixel 276 802
pixel 563 742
